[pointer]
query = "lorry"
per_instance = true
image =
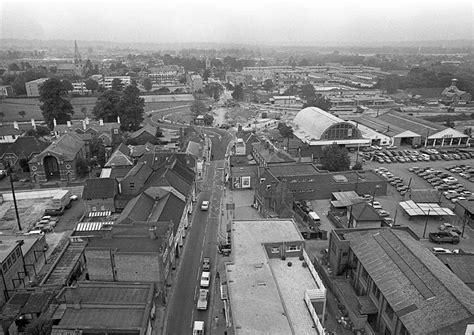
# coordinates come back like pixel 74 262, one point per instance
pixel 60 201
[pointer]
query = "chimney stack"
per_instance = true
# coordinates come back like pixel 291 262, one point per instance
pixel 69 124
pixel 87 120
pixel 55 122
pixel 454 82
pixel 15 125
pixel 84 125
pixel 33 124
pixel 118 119
pixel 101 122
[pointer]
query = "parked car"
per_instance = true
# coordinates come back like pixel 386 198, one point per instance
pixel 444 237
pixel 376 205
pixel 202 300
pixel 449 227
pixel 205 279
pixel 206 264
pixel 204 205
pixel 438 250
pixel 383 213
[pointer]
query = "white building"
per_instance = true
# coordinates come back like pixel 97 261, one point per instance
pixel 124 79
pixel 273 287
pixel 33 87
pixel 80 88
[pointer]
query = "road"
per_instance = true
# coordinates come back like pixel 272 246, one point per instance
pixel 201 242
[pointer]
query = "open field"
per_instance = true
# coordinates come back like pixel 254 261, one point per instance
pixel 11 108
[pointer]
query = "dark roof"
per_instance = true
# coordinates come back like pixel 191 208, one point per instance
pixel 137 209
pixel 100 188
pixel 169 208
pixel 120 157
pixel 37 302
pixel 364 212
pixel 25 146
pixel 7 130
pixel 67 147
pixel 462 265
pixel 141 170
pixel 424 295
pixel 169 178
pixel 147 128
pixel 411 123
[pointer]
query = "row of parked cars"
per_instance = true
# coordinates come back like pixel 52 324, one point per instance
pixel 443 182
pixel 464 171
pixel 422 155
pixel 387 220
pixel 395 181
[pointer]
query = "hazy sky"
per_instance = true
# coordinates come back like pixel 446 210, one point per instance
pixel 308 22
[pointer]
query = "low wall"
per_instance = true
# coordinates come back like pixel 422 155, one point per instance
pixel 33 194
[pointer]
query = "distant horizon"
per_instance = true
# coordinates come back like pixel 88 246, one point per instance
pixel 248 22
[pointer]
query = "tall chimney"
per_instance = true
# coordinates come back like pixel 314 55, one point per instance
pixel 55 122
pixel 15 125
pixel 118 119
pixel 454 82
pixel 33 124
pixel 84 125
pixel 101 122
pixel 69 124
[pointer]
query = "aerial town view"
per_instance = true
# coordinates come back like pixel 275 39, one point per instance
pixel 236 168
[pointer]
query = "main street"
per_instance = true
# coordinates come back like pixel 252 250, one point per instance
pixel 201 241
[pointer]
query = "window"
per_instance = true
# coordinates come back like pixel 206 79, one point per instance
pixel 388 311
pixel 18 252
pixel 13 257
pixel 5 268
pixel 293 248
pixel 132 185
pixel 275 250
pixel 9 262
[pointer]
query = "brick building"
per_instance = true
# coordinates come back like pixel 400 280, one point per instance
pixel 99 194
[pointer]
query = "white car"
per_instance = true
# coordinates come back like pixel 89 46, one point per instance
pixel 438 250
pixel 205 279
pixel 376 205
pixel 202 299
pixel 205 205
pixel 450 180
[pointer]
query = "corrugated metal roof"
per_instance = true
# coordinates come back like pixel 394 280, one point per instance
pixel 92 226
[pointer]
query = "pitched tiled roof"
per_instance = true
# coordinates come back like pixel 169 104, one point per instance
pixel 364 212
pixel 120 157
pixel 100 188
pixel 422 292
pixel 8 130
pixel 25 146
pixel 147 128
pixel 169 178
pixel 67 146
pixel 137 209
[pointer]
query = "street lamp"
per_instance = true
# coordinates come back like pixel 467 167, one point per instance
pixel 373 194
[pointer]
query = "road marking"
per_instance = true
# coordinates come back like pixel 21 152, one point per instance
pixel 192 319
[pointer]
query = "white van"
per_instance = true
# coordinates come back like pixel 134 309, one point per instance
pixel 315 217
pixel 198 328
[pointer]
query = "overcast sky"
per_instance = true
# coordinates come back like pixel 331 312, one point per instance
pixel 308 22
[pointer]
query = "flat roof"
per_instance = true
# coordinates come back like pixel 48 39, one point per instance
pixel 267 295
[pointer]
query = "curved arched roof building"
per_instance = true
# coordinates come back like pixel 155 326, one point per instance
pixel 316 127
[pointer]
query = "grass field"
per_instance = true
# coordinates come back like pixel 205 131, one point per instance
pixel 12 107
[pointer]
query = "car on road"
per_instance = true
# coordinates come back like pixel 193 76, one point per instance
pixel 73 197
pixel 205 205
pixel 206 264
pixel 383 213
pixel 198 328
pixel 202 299
pixel 376 205
pixel 205 279
pixel 444 237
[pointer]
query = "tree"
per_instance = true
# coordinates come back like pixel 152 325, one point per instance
pixel 206 74
pixel 117 85
pixel 147 84
pixel 18 86
pixel 286 132
pixel 24 164
pixel 357 166
pixel 292 90
pixel 38 132
pixel 238 93
pixel 53 96
pixel 450 123
pixel 97 149
pixel 67 85
pixel 208 119
pixel 198 108
pixel 268 85
pixel 468 131
pixel 214 90
pixel 131 108
pixel 13 67
pixel 308 92
pixel 22 113
pixel 335 158
pixel 82 167
pixel 107 106
pixel 92 85
pixel 320 102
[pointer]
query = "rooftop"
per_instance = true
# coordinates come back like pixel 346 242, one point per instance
pixel 412 279
pixel 267 295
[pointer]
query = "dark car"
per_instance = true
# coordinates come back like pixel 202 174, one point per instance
pixel 444 237
pixel 53 212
